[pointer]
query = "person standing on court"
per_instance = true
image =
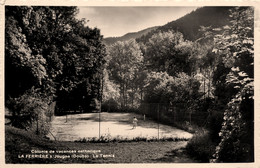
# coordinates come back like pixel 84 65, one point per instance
pixel 134 122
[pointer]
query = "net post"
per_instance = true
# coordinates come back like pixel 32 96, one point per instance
pixel 158 110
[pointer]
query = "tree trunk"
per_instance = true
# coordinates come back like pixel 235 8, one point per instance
pixel 122 95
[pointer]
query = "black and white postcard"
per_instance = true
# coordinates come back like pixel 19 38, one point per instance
pixel 90 84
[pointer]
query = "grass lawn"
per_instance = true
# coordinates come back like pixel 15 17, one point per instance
pixel 20 142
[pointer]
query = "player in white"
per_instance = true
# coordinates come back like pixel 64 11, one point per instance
pixel 134 122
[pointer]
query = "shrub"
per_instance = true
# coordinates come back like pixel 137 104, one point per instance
pixel 237 132
pixel 215 124
pixel 107 138
pixel 200 146
pixel 192 128
pixel 29 111
pixel 110 105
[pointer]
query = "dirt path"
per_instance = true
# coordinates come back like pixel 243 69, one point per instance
pixel 116 125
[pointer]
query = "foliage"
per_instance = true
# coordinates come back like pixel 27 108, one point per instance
pixel 223 91
pixel 214 124
pixel 201 146
pixel 236 46
pixel 128 36
pixel 164 88
pixel 180 92
pixel 167 52
pixel 158 87
pixel 107 138
pixel 111 105
pixel 82 76
pixel 125 61
pixel 111 96
pixel 48 49
pixel 30 111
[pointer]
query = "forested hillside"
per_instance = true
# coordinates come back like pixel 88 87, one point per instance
pixel 128 36
pixel 189 25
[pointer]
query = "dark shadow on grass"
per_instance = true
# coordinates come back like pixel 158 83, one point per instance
pixel 176 156
pixel 130 129
pixel 86 118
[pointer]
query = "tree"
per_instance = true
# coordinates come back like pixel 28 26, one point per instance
pixel 160 48
pixel 181 91
pixel 236 46
pixel 111 95
pixel 170 52
pixel 83 67
pixel 22 62
pixel 125 61
pixel 50 52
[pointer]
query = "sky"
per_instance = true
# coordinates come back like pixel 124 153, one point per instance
pixel 117 21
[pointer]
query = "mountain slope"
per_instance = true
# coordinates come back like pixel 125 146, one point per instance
pixel 189 24
pixel 128 36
